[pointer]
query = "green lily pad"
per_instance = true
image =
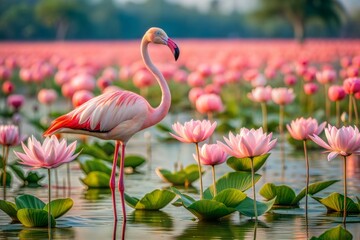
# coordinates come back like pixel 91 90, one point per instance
pixel 31 179
pixel 59 207
pixel 28 201
pixel 155 200
pixel 94 151
pixel 246 207
pixel 96 180
pixel 185 199
pixel 335 203
pixel 230 197
pixel 107 146
pixel 134 161
pixel 8 179
pixel 34 217
pixel 244 164
pixel 95 165
pixel 10 209
pixel 314 188
pixel 185 176
pixel 237 180
pixel 335 233
pixel 284 194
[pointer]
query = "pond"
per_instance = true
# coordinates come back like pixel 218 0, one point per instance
pixel 91 216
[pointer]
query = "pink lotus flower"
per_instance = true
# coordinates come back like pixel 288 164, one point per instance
pixel 8 87
pixel 81 97
pixel 326 76
pixel 344 141
pixel 352 85
pixel 303 128
pixel 47 96
pixel 282 96
pixel 211 154
pixel 195 93
pixel 9 135
pixel 209 103
pixel 336 93
pixel 16 101
pixel 50 154
pixel 310 88
pixel 248 143
pixel 260 94
pixel 193 131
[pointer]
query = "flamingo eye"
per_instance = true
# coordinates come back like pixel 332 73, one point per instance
pixel 158 33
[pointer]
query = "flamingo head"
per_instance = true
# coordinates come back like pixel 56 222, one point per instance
pixel 159 36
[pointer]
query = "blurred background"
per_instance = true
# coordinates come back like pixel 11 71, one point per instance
pixel 127 19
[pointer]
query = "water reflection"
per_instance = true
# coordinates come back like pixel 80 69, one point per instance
pixel 158 220
pixel 97 193
pixel 22 233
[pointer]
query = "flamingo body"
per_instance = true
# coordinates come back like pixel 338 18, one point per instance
pixel 119 115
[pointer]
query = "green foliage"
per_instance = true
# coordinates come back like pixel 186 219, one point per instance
pixel 59 207
pixel 28 201
pixel 154 200
pixel 244 164
pixel 10 209
pixel 96 180
pixel 30 179
pixel 335 233
pixel 134 161
pixel 335 203
pixel 34 217
pixel 92 165
pixel 185 176
pixel 246 207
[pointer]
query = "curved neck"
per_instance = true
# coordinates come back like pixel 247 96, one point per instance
pixel 158 113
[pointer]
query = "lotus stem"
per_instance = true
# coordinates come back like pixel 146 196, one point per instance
pixel 5 157
pixel 68 177
pixel 49 200
pixel 307 178
pixel 281 119
pixel 345 193
pixel 327 102
pixel 214 180
pixel 350 109
pixel 337 104
pixel 199 168
pixel 355 110
pixel 253 186
pixel 264 116
pixel 211 119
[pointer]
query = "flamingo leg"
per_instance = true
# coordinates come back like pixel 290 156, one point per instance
pixel 121 181
pixel 112 178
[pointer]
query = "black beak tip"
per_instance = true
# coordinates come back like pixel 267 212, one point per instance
pixel 176 53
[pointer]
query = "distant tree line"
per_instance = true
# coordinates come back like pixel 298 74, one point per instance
pixel 108 20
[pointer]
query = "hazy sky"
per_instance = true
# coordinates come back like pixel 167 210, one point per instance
pixel 241 5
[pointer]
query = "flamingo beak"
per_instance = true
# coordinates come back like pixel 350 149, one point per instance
pixel 174 48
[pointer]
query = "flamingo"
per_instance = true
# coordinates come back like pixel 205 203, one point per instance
pixel 118 115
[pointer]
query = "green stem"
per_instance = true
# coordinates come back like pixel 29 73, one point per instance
pixel 199 168
pixel 345 193
pixel 264 116
pixel 253 186
pixel 327 102
pixel 307 178
pixel 281 119
pixel 355 111
pixel 49 200
pixel 5 157
pixel 214 179
pixel 337 104
pixel 68 177
pixel 350 109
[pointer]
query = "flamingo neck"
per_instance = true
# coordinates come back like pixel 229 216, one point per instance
pixel 156 114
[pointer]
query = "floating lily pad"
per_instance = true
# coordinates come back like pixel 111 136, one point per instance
pixel 244 164
pixel 335 203
pixel 246 207
pixel 28 201
pixel 59 207
pixel 8 179
pixel 134 161
pixel 10 209
pixel 30 179
pixel 94 151
pixel 237 180
pixel 335 233
pixel 95 165
pixel 34 217
pixel 212 209
pixel 155 200
pixel 286 196
pixel 96 180
pixel 185 176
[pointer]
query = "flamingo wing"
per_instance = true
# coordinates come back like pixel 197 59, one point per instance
pixel 103 114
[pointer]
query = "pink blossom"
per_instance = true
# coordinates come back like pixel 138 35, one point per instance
pixel 344 141
pixel 47 96
pixel 195 93
pixel 303 128
pixel 260 94
pixel 193 131
pixel 282 96
pixel 8 87
pixel 9 135
pixel 352 85
pixel 50 154
pixel 211 154
pixel 209 103
pixel 80 97
pixel 326 76
pixel 16 101
pixel 310 88
pixel 143 78
pixel 248 143
pixel 336 93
